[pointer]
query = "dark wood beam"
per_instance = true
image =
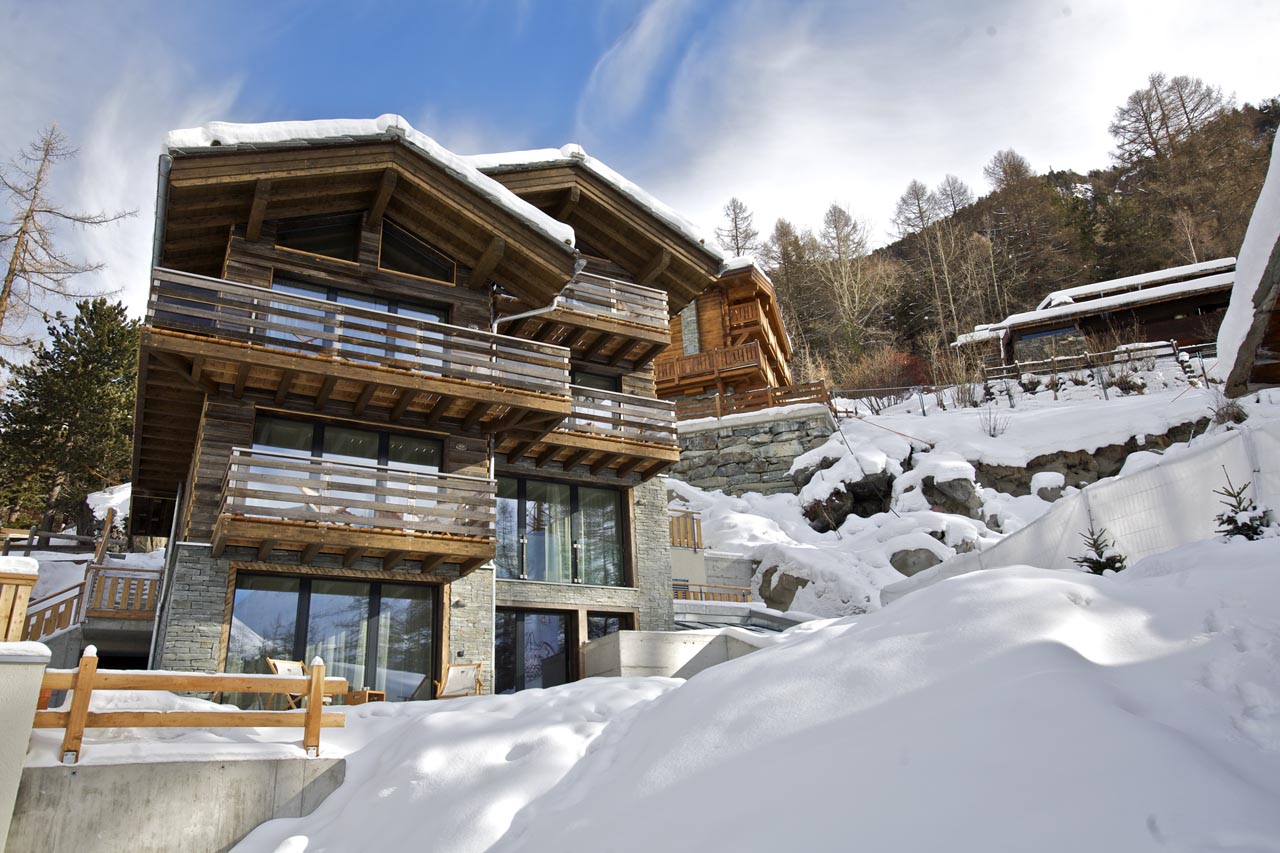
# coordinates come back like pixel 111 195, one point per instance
pixel 258 210
pixel 510 419
pixel 649 355
pixel 630 465
pixel 265 549
pixel 242 376
pixel 655 267
pixel 545 332
pixel 575 338
pixel 570 202
pixel 437 411
pixel 653 470
pixel 381 198
pixel 546 456
pixel 362 402
pixel 472 564
pixel 604 462
pixel 326 389
pixel 402 404
pixel 351 556
pixel 623 348
pixel 596 345
pixel 286 382
pixel 393 559
pixel 488 261
pixel 519 450
pixel 310 553
pixel 183 369
pixel 477 413
pixel 574 458
pixel 430 563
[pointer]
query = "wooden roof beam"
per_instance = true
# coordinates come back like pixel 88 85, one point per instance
pixel 519 450
pixel 382 198
pixel 546 456
pixel 630 465
pixel 393 559
pixel 310 553
pixel 362 402
pixel 570 202
pixel 437 411
pixel 265 549
pixel 258 210
pixel 352 556
pixel 574 458
pixel 186 371
pixel 477 413
pixel 402 404
pixel 326 389
pixel 488 261
pixel 655 268
pixel 604 462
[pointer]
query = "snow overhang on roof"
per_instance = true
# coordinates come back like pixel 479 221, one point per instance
pixel 1136 282
pixel 743 262
pixel 388 126
pixel 1221 281
pixel 575 155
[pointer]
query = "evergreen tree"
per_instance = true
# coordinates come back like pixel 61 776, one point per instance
pixel 1100 553
pixel 1243 516
pixel 66 419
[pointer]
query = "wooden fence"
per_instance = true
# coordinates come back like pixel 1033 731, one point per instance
pixel 85 679
pixel 1126 358
pixel 15 591
pixel 113 592
pixel 720 405
pixel 682 591
pixel 686 529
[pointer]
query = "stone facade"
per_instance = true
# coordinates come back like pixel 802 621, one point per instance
pixel 471 622
pixel 189 635
pixel 751 452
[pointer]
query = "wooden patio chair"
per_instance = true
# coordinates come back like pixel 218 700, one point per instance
pixel 292 668
pixel 460 679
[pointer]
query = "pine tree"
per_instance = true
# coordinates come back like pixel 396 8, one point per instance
pixel 1243 516
pixel 738 236
pixel 66 420
pixel 1100 553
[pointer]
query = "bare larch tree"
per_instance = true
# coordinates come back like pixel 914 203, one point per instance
pixel 737 235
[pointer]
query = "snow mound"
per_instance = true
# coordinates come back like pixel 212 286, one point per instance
pixel 115 497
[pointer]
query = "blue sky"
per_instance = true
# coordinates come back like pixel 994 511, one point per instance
pixel 790 106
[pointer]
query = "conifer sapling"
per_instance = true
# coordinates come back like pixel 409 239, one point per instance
pixel 1242 516
pixel 1100 553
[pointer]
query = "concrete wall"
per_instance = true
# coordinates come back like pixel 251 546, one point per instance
pixel 750 452
pixel 22 667
pixel 676 654
pixel 139 808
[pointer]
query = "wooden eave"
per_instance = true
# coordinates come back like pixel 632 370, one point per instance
pixel 592 338
pixel 600 456
pixel 211 190
pixel 766 298
pixel 630 236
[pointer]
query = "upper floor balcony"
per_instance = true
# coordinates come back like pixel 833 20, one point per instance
pixel 745 363
pixel 601 320
pixel 321 353
pixel 611 434
pixel 280 501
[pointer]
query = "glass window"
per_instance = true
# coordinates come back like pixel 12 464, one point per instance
pixel 405 621
pixel 331 236
pixel 413 453
pixel 598 381
pixel 300 327
pixel 507 558
pixel 559 533
pixel 264 617
pixel 600 519
pixel 548 533
pixel 283 436
pixel 531 649
pixel 603 624
pixel 403 252
pixel 337 625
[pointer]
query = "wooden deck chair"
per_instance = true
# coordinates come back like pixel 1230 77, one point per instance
pixel 460 679
pixel 292 668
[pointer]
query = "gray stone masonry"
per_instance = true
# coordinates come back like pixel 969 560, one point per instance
pixel 190 630
pixel 471 623
pixel 751 452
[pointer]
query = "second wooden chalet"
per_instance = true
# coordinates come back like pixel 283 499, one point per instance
pixel 400 413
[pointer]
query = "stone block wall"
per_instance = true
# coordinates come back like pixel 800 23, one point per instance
pixel 471 623
pixel 750 452
pixel 189 636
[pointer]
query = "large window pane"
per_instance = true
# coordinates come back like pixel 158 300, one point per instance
pixel 549 545
pixel 530 650
pixel 405 647
pixel 403 252
pixel 263 625
pixel 356 446
pixel 281 436
pixel 333 236
pixel 600 522
pixel 337 627
pixel 362 335
pixel 507 558
pixel 603 624
pixel 303 325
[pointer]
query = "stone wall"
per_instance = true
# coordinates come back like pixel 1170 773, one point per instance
pixel 750 452
pixel 189 636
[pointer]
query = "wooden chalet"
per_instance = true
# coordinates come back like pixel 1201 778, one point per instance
pixel 380 391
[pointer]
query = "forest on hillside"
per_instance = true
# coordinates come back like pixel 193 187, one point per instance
pixel 1185 172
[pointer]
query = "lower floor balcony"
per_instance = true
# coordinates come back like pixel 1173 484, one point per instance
pixel 276 501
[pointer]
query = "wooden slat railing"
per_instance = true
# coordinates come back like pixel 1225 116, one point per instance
pixel 619 300
pixel 628 416
pixel 681 591
pixel 86 678
pixel 53 613
pixel 1067 364
pixel 686 529
pixel 719 405
pixel 226 310
pixel 713 361
pixel 262 484
pixel 15 592
pixel 121 593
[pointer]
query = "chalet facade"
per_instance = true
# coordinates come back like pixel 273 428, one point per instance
pixel 1183 303
pixel 398 413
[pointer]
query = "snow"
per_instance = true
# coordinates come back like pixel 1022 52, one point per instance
pixel 115 497
pixel 575 155
pixel 23 652
pixel 742 262
pixel 1069 295
pixel 1047 480
pixel 1220 281
pixel 1255 253
pixel 227 133
pixel 19 566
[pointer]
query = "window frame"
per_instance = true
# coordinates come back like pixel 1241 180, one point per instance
pixel 426 243
pixel 317 436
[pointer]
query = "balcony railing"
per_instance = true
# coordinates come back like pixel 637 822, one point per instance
pixel 685 591
pixel 709 363
pixel 225 310
pixel 625 416
pixel 617 300
pixel 109 592
pixel 274 486
pixel 719 405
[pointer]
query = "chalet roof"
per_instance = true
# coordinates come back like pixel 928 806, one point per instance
pixel 575 155
pixel 1136 282
pixel 742 262
pixel 388 126
pixel 1115 301
pixel 1249 337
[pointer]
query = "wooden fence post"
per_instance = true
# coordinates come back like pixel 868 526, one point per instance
pixel 315 707
pixel 100 553
pixel 79 712
pixel 31 540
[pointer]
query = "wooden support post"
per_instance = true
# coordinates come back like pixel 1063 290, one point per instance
pixel 485 265
pixel 258 210
pixel 100 553
pixel 79 713
pixel 315 707
pixel 385 188
pixel 31 539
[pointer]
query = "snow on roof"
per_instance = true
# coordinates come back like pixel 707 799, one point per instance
pixel 1119 300
pixel 574 154
pixel 742 262
pixel 1135 282
pixel 275 132
pixel 984 332
pixel 1244 311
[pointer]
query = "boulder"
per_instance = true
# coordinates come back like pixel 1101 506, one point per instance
pixel 957 496
pixel 914 560
pixel 863 498
pixel 778 589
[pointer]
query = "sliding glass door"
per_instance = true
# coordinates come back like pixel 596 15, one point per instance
pixel 531 649
pixel 376 635
pixel 560 533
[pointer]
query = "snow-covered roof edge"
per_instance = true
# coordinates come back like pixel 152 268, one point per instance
pixel 576 154
pixel 742 262
pixel 1132 281
pixel 228 133
pixel 1254 294
pixel 1071 309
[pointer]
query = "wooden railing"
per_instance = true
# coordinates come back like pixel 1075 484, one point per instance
pixel 682 591
pixel 720 405
pixel 15 591
pixel 85 679
pixel 111 592
pixel 628 416
pixel 1081 362
pixel 274 319
pixel 686 529
pixel 262 484
pixel 710 362
pixel 619 300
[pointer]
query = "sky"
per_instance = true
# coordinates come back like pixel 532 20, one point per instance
pixel 790 106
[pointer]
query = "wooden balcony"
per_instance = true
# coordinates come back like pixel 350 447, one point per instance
pixel 719 405
pixel 214 332
pixel 601 320
pixel 276 501
pixel 107 592
pixel 612 434
pixel 744 364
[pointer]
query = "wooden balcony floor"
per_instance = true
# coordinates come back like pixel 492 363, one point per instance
pixel 597 339
pixel 601 455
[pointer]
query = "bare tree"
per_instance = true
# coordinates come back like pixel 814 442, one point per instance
pixel 1007 168
pixel 35 269
pixel 917 209
pixel 1156 118
pixel 737 235
pixel 952 195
